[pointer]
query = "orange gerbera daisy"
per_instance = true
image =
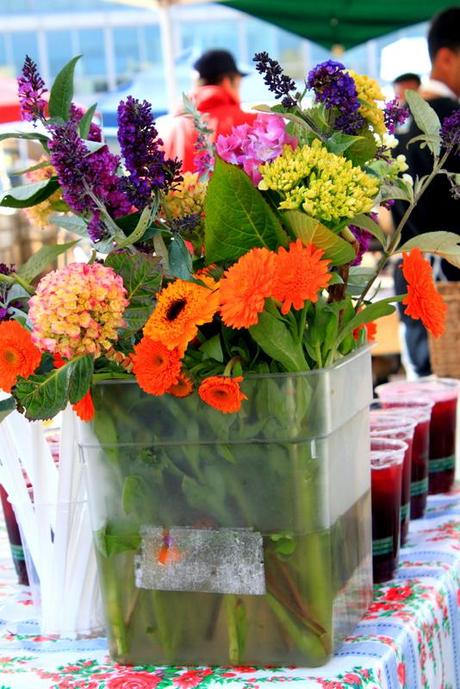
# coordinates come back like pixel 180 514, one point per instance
pixel 300 273
pixel 371 329
pixel 222 393
pixel 156 367
pixel 423 301
pixel 181 307
pixel 244 288
pixel 183 387
pixel 18 354
pixel 84 408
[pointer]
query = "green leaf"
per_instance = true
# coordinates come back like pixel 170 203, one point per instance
pixel 72 223
pixel 338 143
pixel 308 229
pixel 29 194
pixel 86 120
pixel 362 150
pixel 274 337
pixel 142 279
pixel 38 166
pixel 395 191
pixel 426 119
pixel 180 259
pixel 368 314
pixel 44 395
pixel 135 491
pixel 27 136
pixel 237 216
pixel 80 378
pixel 41 260
pixel 213 349
pixel 366 222
pixel 6 407
pixel 117 538
pixel 445 244
pixel 62 91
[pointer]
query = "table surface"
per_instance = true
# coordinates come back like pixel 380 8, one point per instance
pixel 409 638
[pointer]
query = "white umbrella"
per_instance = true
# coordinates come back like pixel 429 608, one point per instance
pixel 163 8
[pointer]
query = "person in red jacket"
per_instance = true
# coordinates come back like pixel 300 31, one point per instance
pixel 216 96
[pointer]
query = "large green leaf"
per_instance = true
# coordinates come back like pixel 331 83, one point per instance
pixel 426 119
pixel 365 221
pixel 180 259
pixel 85 122
pixel 44 395
pixel 308 229
pixel 273 336
pixel 70 222
pixel 41 260
pixel 237 216
pixel 62 91
pixel 142 278
pixel 26 136
pixel 362 150
pixel 384 307
pixel 445 244
pixel 29 194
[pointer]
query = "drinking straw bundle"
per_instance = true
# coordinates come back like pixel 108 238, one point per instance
pixel 51 509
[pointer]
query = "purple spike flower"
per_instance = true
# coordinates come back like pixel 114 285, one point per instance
pixel 450 131
pixel 83 176
pixel 279 84
pixel 394 114
pixel 76 113
pixel 363 238
pixel 140 146
pixel 31 88
pixel 335 88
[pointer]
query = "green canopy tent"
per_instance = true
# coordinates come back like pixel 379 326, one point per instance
pixel 330 23
pixel 346 23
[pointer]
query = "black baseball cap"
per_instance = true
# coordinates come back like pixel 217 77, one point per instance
pixel 214 63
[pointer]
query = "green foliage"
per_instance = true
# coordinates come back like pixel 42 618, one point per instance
pixel 273 335
pixel 29 195
pixel 365 222
pixel 6 407
pixel 61 93
pixel 444 244
pixel 237 216
pixel 117 537
pixel 42 259
pixel 85 122
pixel 142 279
pixel 180 259
pixel 25 136
pixel 212 349
pixel 426 120
pixel 308 229
pixel 44 395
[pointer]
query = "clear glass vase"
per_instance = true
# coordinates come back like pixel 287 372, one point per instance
pixel 240 539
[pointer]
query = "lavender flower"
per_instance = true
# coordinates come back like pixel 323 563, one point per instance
pixel 95 132
pixel 84 176
pixel 335 88
pixel 279 84
pixel 450 131
pixel 186 223
pixel 31 88
pixel 395 114
pixel 140 146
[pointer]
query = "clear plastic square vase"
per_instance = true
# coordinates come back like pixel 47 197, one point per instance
pixel 233 539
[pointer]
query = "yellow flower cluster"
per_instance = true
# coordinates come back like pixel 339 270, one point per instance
pixel 324 185
pixel 187 197
pixel 368 93
pixel 39 215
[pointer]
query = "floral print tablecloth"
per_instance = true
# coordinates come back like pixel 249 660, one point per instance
pixel 409 639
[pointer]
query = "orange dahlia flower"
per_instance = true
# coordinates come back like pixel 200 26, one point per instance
pixel 84 408
pixel 222 393
pixel 300 273
pixel 423 301
pixel 18 354
pixel 245 286
pixel 156 367
pixel 182 388
pixel 181 307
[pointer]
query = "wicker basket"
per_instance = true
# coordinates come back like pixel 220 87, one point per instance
pixel 445 350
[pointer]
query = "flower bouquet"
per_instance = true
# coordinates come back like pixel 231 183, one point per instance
pixel 215 341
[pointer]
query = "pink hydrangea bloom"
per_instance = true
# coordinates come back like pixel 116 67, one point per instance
pixel 78 310
pixel 251 146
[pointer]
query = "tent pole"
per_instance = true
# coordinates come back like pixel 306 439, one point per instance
pixel 167 41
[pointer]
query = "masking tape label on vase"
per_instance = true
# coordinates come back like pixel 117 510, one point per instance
pixel 204 560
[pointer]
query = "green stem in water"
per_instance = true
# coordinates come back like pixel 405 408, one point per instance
pixel 237 628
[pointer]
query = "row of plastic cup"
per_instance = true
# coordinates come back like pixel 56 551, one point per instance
pixel 412 453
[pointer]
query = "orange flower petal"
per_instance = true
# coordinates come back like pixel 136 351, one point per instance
pixel 84 408
pixel 244 288
pixel 156 367
pixel 18 354
pixel 222 393
pixel 182 388
pixel 300 274
pixel 423 302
